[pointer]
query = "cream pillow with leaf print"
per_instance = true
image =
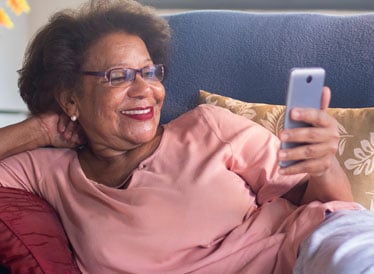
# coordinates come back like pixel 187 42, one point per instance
pixel 356 144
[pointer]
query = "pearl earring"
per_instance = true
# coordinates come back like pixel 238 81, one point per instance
pixel 73 118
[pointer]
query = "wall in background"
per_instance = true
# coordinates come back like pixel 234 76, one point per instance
pixel 13 43
pixel 12 46
pixel 41 10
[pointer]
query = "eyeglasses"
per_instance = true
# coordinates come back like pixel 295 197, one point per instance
pixel 122 76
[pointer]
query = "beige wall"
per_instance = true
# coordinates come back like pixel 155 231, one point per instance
pixel 12 44
pixel 12 47
pixel 42 9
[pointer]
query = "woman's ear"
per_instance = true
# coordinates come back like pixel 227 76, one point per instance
pixel 68 103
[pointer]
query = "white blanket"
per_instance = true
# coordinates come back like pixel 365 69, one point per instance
pixel 343 244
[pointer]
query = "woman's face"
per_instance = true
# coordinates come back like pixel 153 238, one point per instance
pixel 116 119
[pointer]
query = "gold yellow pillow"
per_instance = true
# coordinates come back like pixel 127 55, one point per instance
pixel 356 145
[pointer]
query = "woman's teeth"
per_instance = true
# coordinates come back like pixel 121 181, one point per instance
pixel 136 112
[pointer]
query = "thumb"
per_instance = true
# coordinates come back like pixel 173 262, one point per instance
pixel 326 97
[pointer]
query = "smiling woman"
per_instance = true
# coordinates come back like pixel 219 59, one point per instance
pixel 203 193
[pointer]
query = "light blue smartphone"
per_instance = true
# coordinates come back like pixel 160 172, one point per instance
pixel 304 91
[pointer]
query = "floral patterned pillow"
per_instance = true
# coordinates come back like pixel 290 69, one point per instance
pixel 356 145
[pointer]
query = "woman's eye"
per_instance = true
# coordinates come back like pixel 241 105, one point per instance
pixel 148 73
pixel 118 79
pixel 118 76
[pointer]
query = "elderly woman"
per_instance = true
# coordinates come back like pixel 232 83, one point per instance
pixel 219 203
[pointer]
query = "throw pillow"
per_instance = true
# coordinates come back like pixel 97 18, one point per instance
pixel 356 145
pixel 31 235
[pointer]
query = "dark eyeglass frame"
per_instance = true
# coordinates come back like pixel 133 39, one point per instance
pixel 131 73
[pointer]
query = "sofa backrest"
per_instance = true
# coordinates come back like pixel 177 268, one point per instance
pixel 248 56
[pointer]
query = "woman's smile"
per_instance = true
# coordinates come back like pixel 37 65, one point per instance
pixel 139 113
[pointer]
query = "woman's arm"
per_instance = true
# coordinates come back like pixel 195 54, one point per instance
pixel 326 180
pixel 332 185
pixel 48 129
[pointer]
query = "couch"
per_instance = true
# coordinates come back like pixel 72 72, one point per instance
pixel 238 60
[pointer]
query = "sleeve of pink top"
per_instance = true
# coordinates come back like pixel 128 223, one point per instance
pixel 254 154
pixel 17 172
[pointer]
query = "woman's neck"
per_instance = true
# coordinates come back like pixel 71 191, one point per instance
pixel 116 171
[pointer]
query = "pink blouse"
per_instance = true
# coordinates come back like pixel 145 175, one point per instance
pixel 206 201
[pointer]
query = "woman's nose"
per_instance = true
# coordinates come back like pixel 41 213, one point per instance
pixel 139 87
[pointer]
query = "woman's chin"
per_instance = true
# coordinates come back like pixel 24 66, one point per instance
pixel 144 136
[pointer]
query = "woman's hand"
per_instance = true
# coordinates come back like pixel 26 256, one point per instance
pixel 322 140
pixel 60 131
pixel 326 179
pixel 48 129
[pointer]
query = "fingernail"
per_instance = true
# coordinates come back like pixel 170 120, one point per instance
pixel 284 136
pixel 62 128
pixel 296 113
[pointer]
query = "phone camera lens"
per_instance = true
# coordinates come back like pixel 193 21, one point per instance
pixel 309 79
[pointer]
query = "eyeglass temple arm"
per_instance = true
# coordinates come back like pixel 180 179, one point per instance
pixel 94 73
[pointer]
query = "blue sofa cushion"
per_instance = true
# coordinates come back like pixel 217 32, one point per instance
pixel 248 56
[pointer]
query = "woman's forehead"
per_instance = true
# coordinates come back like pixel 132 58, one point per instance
pixel 114 49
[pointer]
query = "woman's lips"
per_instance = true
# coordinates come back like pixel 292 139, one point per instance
pixel 139 113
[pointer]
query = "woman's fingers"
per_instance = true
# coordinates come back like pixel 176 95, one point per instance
pixel 315 117
pixel 319 142
pixel 326 98
pixel 315 166
pixel 310 135
pixel 308 151
pixel 70 132
pixel 63 120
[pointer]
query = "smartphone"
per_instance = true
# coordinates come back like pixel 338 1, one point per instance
pixel 304 91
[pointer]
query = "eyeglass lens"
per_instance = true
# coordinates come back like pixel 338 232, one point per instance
pixel 119 76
